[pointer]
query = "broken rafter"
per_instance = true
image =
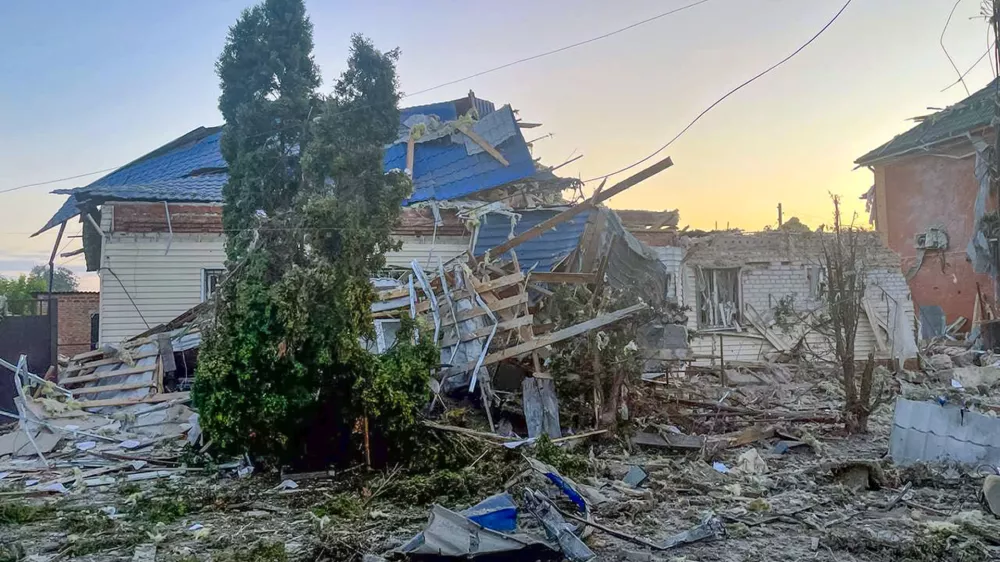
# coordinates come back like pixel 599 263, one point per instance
pixel 575 210
pixel 548 339
pixel 484 144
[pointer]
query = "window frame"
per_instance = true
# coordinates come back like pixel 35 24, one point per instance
pixel 701 276
pixel 206 274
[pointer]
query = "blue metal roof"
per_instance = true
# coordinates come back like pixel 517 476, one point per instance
pixel 542 252
pixel 443 169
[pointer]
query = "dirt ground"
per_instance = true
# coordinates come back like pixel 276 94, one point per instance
pixel 833 498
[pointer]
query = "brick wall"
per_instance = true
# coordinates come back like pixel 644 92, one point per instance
pixel 152 217
pixel 75 311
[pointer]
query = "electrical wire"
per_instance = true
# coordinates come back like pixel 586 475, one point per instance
pixel 430 89
pixel 559 50
pixel 723 98
pixel 15 188
pixel 974 65
pixel 945 49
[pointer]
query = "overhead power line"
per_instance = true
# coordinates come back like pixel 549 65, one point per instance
pixel 442 85
pixel 723 98
pixel 559 50
pixel 47 182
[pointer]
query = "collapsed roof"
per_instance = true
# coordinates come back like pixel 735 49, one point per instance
pixel 449 161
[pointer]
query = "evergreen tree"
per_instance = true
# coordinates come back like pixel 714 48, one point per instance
pixel 285 375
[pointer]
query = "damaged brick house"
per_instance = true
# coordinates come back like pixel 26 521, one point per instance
pixel 930 191
pixel 153 228
pixel 753 297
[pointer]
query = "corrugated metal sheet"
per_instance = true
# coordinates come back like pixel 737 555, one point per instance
pixel 443 169
pixel 542 252
pixel 928 432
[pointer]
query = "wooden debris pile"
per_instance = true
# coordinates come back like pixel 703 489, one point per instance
pixel 144 370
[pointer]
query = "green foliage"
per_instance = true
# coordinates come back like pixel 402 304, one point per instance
pixel 567 463
pixel 162 509
pixel 15 512
pixel 344 505
pixel 284 375
pixel 602 360
pixel 785 315
pixel 17 291
pixel 63 279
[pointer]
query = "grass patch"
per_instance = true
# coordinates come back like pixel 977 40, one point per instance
pixel 162 509
pixel 79 522
pixel 344 505
pixel 19 513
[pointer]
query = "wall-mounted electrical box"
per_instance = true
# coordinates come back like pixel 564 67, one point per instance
pixel 935 238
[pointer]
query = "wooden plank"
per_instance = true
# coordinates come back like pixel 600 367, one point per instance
pixel 575 210
pixel 109 361
pixel 167 397
pixel 872 316
pixel 485 330
pixel 489 148
pixel 498 283
pixel 409 155
pixel 549 339
pixel 565 278
pixel 497 306
pixel 109 374
pixel 112 388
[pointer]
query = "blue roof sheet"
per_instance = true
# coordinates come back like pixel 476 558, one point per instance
pixel 442 169
pixel 543 252
pixel 175 163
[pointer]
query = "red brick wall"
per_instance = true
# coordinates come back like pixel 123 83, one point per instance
pixel 75 310
pixel 152 217
pixel 926 191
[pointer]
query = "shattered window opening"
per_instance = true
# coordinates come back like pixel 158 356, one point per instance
pixel 210 282
pixel 718 298
pixel 817 281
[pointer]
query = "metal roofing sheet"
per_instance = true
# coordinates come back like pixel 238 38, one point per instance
pixel 445 170
pixel 542 252
pixel 974 112
pixel 927 431
pixel 178 162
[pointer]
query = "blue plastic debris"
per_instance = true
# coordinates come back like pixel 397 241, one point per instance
pixel 720 467
pixel 497 512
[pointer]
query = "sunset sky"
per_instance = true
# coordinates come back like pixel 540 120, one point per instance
pixel 92 85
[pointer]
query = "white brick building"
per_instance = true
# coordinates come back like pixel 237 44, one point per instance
pixel 751 296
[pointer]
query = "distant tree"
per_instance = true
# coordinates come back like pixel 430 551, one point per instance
pixel 16 294
pixel 63 281
pixel 794 225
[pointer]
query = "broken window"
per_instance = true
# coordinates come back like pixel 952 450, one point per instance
pixel 671 286
pixel 817 281
pixel 718 298
pixel 210 279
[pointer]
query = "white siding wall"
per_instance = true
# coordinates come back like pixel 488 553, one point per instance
pixel 420 248
pixel 164 284
pixel 671 258
pixel 763 285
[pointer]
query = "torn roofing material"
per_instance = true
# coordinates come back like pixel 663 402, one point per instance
pixel 972 113
pixel 541 253
pixel 929 432
pixel 444 169
pixel 192 169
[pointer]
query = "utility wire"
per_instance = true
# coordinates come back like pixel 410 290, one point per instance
pixel 559 50
pixel 945 49
pixel 432 88
pixel 974 65
pixel 15 188
pixel 723 98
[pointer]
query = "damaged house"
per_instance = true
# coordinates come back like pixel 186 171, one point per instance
pixel 486 234
pixel 930 193
pixel 755 297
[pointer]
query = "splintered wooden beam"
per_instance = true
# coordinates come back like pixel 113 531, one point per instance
pixel 548 339
pixel 484 144
pixel 560 277
pixel 108 375
pixel 166 397
pixel 112 388
pixel 575 210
